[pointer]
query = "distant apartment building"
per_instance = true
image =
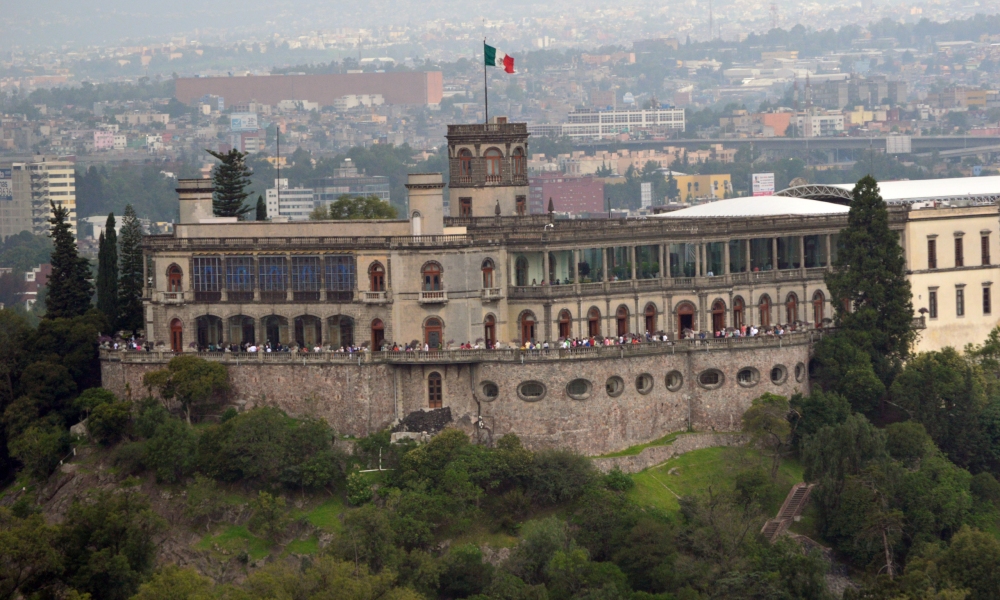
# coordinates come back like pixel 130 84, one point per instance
pixel 35 280
pixel 695 187
pixel 569 193
pixel 354 100
pixel 29 189
pixel 958 97
pixel 819 123
pixel 599 124
pixel 143 118
pixel 104 140
pixel 347 180
pixel 294 203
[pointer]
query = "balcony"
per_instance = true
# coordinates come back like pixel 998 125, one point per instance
pixel 171 297
pixel 492 294
pixel 374 297
pixel 434 297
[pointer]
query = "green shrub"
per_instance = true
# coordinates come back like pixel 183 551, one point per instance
pixel 130 457
pixel 109 422
pixel 618 480
pixel 359 491
pixel 560 476
pixel 985 487
pixel 92 398
pixel 40 448
pixel 172 450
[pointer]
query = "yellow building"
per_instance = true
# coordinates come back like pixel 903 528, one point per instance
pixel 858 116
pixel 692 187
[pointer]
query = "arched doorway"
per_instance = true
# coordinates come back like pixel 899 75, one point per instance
pixel 765 310
pixel 791 309
pixel 490 330
pixel 594 322
pixel 718 315
pixel 521 271
pixel 565 324
pixel 209 332
pixel 433 331
pixel 819 309
pixel 378 334
pixel 650 318
pixel 621 321
pixel 739 311
pixel 175 279
pixel 176 336
pixel 241 330
pixel 308 331
pixel 685 317
pixel 527 327
pixel 275 330
pixel 435 390
pixel 340 331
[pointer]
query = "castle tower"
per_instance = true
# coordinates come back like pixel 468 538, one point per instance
pixel 488 165
pixel 195 196
pixel 426 203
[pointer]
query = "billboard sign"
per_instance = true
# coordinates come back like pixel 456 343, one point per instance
pixel 243 122
pixel 763 184
pixel 6 186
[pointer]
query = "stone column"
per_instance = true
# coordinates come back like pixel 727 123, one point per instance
pixel 747 254
pixel 829 255
pixel 662 253
pixel 802 254
pixel 547 264
pixel 725 258
pixel 774 254
pixel 697 260
pixel 605 264
pixel 631 254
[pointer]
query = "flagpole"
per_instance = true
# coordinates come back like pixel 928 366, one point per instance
pixel 486 89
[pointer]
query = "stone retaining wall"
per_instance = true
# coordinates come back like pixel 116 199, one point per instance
pixel 656 455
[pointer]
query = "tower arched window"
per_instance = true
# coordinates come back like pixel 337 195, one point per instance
pixel 565 324
pixel 738 312
pixel 433 332
pixel 376 277
pixel 594 322
pixel 520 164
pixel 378 334
pixel 175 279
pixel 718 315
pixel 465 164
pixel 494 159
pixel 765 311
pixel 621 320
pixel 488 269
pixel 819 309
pixel 431 277
pixel 490 330
pixel 791 309
pixel 527 327
pixel 650 318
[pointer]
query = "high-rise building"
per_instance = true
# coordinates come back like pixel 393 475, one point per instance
pixel 294 203
pixel 33 187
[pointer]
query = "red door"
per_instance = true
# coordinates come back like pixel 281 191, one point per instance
pixel 176 336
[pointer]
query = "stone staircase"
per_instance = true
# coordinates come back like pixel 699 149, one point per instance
pixel 790 509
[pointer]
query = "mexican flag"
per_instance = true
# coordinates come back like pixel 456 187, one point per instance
pixel 495 58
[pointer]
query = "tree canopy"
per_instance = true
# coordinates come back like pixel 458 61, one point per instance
pixel 230 178
pixel 354 207
pixel 69 284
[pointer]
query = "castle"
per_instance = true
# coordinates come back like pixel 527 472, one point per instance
pixel 479 269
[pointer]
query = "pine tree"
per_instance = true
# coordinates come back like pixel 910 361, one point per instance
pixel 107 271
pixel 70 288
pixel 230 178
pixel 130 277
pixel 870 279
pixel 261 208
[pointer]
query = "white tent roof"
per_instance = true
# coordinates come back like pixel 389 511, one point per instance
pixel 980 190
pixel 757 206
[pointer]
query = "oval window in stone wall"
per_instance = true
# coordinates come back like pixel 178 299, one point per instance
pixel 800 372
pixel 531 391
pixel 748 377
pixel 578 389
pixel 490 390
pixel 674 381
pixel 778 374
pixel 710 379
pixel 614 386
pixel 644 383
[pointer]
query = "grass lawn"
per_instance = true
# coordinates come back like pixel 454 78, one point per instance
pixel 233 540
pixel 634 450
pixel 698 470
pixel 326 516
pixel 309 546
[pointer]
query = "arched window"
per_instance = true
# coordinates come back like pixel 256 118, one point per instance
pixel 521 271
pixel 378 334
pixel 490 330
pixel 565 324
pixel 791 309
pixel 520 165
pixel 718 315
pixel 765 311
pixel 594 322
pixel 376 277
pixel 434 390
pixel 432 277
pixel 433 330
pixel 493 160
pixel 174 278
pixel 209 330
pixel 488 274
pixel 176 336
pixel 738 312
pixel 308 331
pixel 527 327
pixel 819 309
pixel 685 317
pixel 465 164
pixel 650 318
pixel 621 320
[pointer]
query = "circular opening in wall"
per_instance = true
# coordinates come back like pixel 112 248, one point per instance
pixel 578 389
pixel 748 377
pixel 710 379
pixel 615 386
pixel 490 390
pixel 644 383
pixel 674 381
pixel 531 391
pixel 778 374
pixel 800 372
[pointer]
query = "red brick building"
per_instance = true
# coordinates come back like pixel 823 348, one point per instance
pixel 569 193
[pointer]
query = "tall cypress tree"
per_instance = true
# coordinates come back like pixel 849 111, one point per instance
pixel 230 178
pixel 70 288
pixel 871 296
pixel 261 208
pixel 107 271
pixel 130 282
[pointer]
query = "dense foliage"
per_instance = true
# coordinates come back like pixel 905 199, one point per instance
pixel 107 270
pixel 69 284
pixel 130 274
pixel 351 208
pixel 230 178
